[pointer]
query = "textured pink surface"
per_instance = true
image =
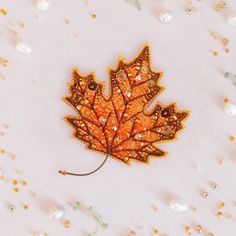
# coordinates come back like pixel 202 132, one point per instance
pixel 30 101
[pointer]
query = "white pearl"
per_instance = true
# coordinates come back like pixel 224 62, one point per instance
pixel 178 206
pixel 23 47
pixel 232 19
pixel 165 17
pixel 230 109
pixel 57 213
pixel 42 5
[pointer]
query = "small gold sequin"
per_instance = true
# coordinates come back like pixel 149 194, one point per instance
pixel 215 53
pixel 188 229
pixel 25 206
pixel 231 138
pixel 3 11
pixel 67 224
pixel 219 214
pixel 24 182
pixel 221 205
pixel 199 229
pixel 16 190
pixel 14 182
pixel 94 16
pixel 2 151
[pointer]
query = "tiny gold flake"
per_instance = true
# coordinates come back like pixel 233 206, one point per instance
pixel 226 100
pixel 221 205
pixel 3 11
pixel 16 190
pixel 219 214
pixel 25 206
pixel 94 16
pixel 23 182
pixel 14 182
pixel 187 229
pixel 22 24
pixel 231 138
pixel 66 21
pixel 225 41
pixel 199 229
pixel 67 224
pixel 210 234
pixel 155 231
pixel 227 50
pixel 2 151
pixel 215 53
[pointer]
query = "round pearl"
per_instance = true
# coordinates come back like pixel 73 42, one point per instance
pixel 57 213
pixel 42 5
pixel 166 17
pixel 230 109
pixel 22 47
pixel 178 206
pixel 232 19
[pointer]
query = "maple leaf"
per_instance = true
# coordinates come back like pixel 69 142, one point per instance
pixel 119 125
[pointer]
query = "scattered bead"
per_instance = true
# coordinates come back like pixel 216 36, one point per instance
pixel 215 53
pixel 178 206
pixel 42 5
pixel 23 182
pixel 23 47
pixel 210 234
pixel 11 208
pixel 2 151
pixel 223 4
pixel 221 161
pixel 225 41
pixel 227 50
pixel 214 185
pixel 66 21
pixel 155 231
pixel 67 224
pixel 205 195
pixel 189 10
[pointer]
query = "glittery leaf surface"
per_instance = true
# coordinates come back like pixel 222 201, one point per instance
pixel 119 125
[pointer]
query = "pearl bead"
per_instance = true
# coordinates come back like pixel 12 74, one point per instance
pixel 22 47
pixel 178 206
pixel 42 5
pixel 57 213
pixel 230 109
pixel 232 19
pixel 165 17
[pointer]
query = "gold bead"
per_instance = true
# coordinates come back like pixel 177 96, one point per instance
pixel 214 185
pixel 67 224
pixel 23 182
pixel 155 231
pixel 223 4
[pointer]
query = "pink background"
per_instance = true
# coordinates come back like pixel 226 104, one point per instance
pixel 30 102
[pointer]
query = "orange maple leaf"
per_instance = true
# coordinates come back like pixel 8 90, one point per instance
pixel 119 125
